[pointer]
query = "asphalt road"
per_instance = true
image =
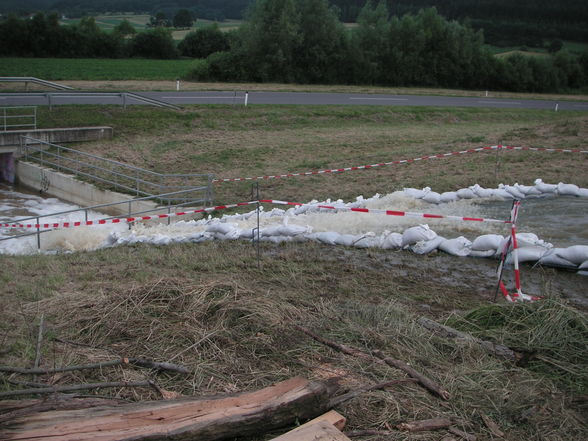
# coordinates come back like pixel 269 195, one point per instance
pixel 296 98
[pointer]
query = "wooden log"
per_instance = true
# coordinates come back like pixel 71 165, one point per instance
pixel 424 425
pixel 490 347
pixel 185 419
pixel 331 417
pixel 317 431
pixel 424 381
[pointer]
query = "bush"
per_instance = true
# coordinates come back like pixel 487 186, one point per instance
pixel 155 43
pixel 203 42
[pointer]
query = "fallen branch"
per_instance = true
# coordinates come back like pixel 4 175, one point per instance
pixel 76 387
pixel 357 392
pixel 367 432
pixel 39 341
pixel 462 434
pixel 381 358
pixel 425 425
pixel 134 361
pixel 490 347
pixel 251 413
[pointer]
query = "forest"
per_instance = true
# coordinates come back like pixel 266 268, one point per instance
pixel 304 41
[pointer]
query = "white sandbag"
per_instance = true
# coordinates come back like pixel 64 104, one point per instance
pixel 221 227
pixel 391 241
pixel 448 196
pixel 466 193
pixel 327 237
pixel 502 193
pixel 432 197
pixel 247 233
pixel 584 266
pixel 414 193
pixel 487 242
pixel 512 191
pixel 426 246
pixel 480 253
pixel 292 230
pixel 528 254
pixel 347 239
pixel 459 246
pixel 482 192
pixel 273 230
pixel 567 189
pixel 367 242
pixel 545 188
pixel 416 234
pixel 576 254
pixel 583 192
pixel 552 259
pixel 528 190
pixel 275 212
pixel 531 240
pixel 276 239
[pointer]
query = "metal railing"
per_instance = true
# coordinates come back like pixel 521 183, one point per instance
pixel 34 80
pixel 115 175
pixel 15 117
pixel 84 212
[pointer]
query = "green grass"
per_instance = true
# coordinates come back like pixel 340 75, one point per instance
pixel 95 69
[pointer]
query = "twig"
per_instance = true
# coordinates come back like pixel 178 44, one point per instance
pixel 134 361
pixel 56 389
pixel 39 341
pixel 381 358
pixel 357 392
pixel 424 381
pixel 462 434
pixel 368 432
pixel 28 383
pixel 424 425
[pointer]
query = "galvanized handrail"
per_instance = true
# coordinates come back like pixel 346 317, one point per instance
pixel 131 213
pixel 118 175
pixel 6 115
pixel 36 81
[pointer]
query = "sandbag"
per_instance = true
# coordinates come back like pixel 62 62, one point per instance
pixel 221 227
pixel 528 254
pixel 583 192
pixel 448 196
pixel 292 230
pixel 414 193
pixel 568 189
pixel 502 193
pixel 459 246
pixel 482 192
pixel 426 246
pixel 276 239
pixel 576 254
pixel 545 188
pixel 416 234
pixel 465 193
pixel 480 253
pixel 552 259
pixel 487 242
pixel 347 239
pixel 273 230
pixel 432 197
pixel 528 190
pixel 512 191
pixel 391 241
pixel 584 266
pixel 530 240
pixel 327 237
pixel 367 242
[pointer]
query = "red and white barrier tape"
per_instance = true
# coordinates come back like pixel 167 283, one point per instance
pixel 362 167
pixel 123 220
pixel 402 161
pixel 387 212
pixel 518 295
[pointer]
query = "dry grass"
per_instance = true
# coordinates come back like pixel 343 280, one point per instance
pixel 209 308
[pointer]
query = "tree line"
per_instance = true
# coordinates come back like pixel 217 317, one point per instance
pixel 303 41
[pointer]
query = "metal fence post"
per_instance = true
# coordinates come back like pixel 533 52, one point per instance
pixel 4 109
pixel 38 235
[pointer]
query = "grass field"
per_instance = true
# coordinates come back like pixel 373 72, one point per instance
pixel 211 308
pixel 59 69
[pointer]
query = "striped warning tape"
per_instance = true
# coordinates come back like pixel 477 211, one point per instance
pixel 402 161
pixel 362 167
pixel 387 212
pixel 123 220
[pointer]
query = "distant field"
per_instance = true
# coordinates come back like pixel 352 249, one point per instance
pixel 571 46
pixel 524 53
pixel 95 69
pixel 109 22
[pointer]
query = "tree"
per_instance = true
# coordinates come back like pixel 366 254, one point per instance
pixel 159 20
pixel 183 19
pixel 154 43
pixel 555 46
pixel 203 42
pixel 125 28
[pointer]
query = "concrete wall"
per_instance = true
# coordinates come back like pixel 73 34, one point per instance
pixel 11 139
pixel 70 189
